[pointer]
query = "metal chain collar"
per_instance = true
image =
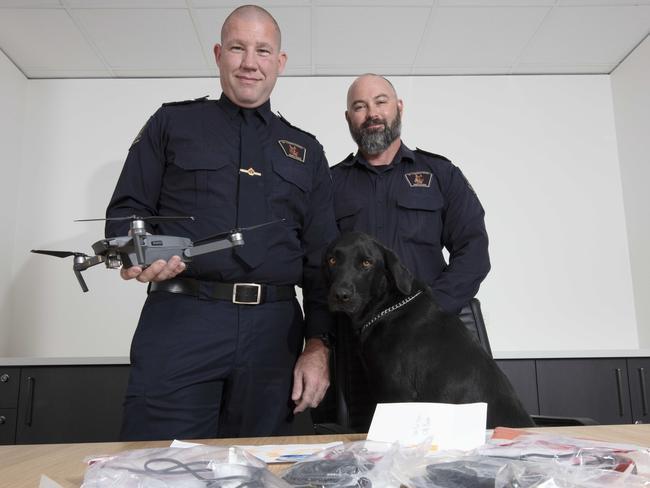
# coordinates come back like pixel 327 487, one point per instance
pixel 390 309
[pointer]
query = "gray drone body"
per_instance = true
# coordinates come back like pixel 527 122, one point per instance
pixel 143 249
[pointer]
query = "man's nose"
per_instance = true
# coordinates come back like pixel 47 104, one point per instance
pixel 248 61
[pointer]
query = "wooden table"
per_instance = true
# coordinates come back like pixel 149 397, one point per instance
pixel 22 466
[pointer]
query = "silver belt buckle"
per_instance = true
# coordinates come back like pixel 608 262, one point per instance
pixel 235 286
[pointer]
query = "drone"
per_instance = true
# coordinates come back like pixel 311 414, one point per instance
pixel 142 249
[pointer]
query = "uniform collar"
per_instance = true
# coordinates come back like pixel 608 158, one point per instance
pixel 403 154
pixel 232 109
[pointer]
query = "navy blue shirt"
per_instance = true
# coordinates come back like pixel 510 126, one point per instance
pixel 186 161
pixel 416 206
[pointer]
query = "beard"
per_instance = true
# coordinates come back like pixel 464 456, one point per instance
pixel 376 141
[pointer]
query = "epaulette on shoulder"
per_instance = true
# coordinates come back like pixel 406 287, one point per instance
pixel 186 102
pixel 281 117
pixel 422 151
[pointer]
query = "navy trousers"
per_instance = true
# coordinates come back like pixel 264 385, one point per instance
pixel 209 368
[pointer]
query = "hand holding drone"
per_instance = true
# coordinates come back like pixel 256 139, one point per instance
pixel 142 249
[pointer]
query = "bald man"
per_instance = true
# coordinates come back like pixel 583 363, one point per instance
pixel 414 202
pixel 222 348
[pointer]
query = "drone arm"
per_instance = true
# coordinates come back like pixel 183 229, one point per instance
pixel 84 262
pixel 234 239
pixel 81 281
pixel 87 262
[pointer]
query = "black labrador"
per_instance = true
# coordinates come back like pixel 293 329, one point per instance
pixel 411 349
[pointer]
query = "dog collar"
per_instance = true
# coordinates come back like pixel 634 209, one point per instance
pixel 390 309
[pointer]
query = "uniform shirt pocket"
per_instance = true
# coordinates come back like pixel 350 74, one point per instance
pixel 293 173
pixel 347 213
pixel 420 217
pixel 202 177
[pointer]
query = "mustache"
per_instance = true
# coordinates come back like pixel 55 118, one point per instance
pixel 375 121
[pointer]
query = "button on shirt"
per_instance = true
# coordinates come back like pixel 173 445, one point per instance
pixel 186 161
pixel 416 206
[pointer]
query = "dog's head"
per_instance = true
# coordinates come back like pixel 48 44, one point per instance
pixel 361 272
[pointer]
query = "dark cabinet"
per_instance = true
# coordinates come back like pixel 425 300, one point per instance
pixel 594 388
pixel 9 382
pixel 638 371
pixel 59 404
pixel 521 373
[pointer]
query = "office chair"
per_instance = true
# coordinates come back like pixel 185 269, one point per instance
pixel 349 407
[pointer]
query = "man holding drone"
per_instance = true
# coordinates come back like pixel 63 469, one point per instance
pixel 219 347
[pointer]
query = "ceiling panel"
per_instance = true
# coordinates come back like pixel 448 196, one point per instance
pixel 588 35
pixel 126 3
pixel 30 3
pixel 143 38
pixel 497 3
pixel 45 38
pixel 480 36
pixel 236 3
pixel 602 2
pixel 361 37
pixel 170 38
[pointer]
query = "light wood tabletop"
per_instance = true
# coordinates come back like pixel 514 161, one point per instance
pixel 22 466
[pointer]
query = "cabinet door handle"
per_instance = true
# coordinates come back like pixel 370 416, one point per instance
pixel 644 397
pixel 619 386
pixel 30 401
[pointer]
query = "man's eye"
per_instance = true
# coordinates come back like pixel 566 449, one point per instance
pixel 366 263
pixel 331 261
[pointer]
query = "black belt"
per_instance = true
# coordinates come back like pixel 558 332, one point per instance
pixel 240 293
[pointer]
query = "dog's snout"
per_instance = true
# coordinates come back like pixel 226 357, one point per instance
pixel 343 294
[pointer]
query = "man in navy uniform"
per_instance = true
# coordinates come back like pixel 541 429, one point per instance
pixel 414 202
pixel 220 347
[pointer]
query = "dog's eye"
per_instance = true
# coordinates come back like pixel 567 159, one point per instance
pixel 366 263
pixel 331 261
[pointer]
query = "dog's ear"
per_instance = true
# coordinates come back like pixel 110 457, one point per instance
pixel 401 276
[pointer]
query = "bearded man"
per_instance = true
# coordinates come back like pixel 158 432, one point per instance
pixel 414 202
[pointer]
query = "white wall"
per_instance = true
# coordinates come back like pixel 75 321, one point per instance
pixel 12 98
pixel 540 152
pixel 631 95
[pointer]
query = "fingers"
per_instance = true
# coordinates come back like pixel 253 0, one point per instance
pixel 309 385
pixel 160 270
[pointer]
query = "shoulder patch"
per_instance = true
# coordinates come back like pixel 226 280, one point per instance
pixel 286 122
pixel 187 102
pixel 293 150
pixel 421 179
pixel 422 151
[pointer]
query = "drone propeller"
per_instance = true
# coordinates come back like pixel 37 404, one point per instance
pixel 153 219
pixel 59 254
pixel 239 229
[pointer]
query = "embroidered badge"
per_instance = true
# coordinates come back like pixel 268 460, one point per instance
pixel 420 179
pixel 293 150
pixel 250 172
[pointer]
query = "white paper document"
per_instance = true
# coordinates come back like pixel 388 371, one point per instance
pixel 445 425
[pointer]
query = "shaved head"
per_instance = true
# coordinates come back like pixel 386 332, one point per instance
pixel 251 13
pixel 365 79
